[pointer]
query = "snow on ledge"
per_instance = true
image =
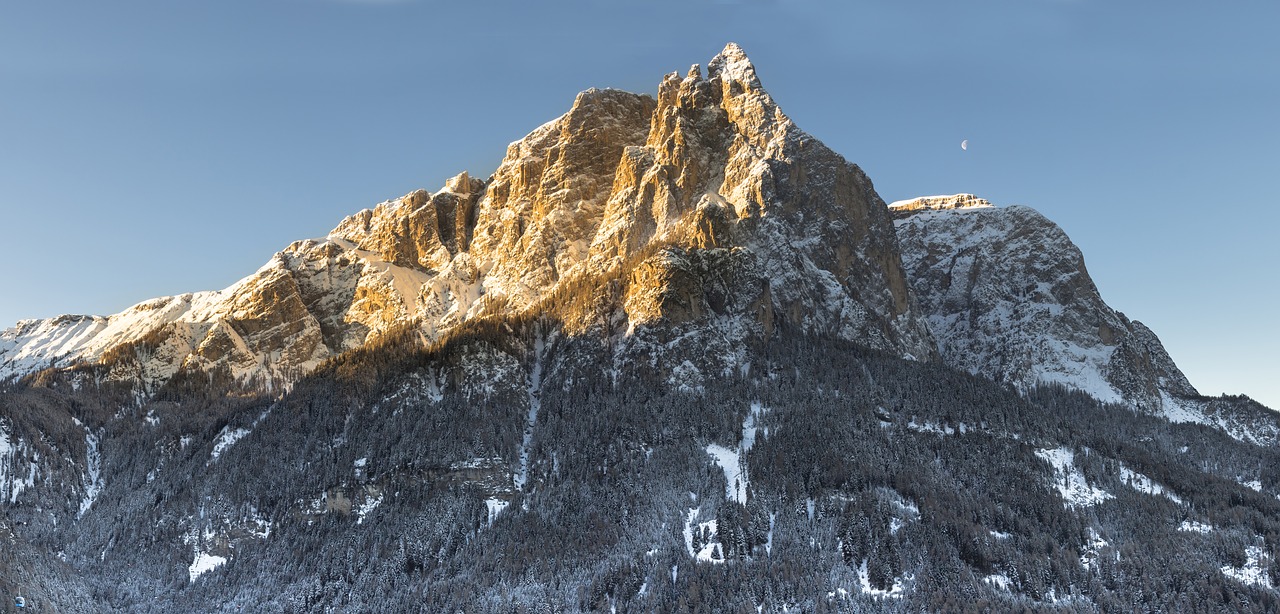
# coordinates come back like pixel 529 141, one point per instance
pixel 950 202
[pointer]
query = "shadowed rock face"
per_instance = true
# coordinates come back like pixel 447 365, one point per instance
pixel 706 201
pixel 1008 296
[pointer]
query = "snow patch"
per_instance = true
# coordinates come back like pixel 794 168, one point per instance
pixel 686 377
pixel 1071 484
pixel 688 530
pixel 1181 412
pixel 258 525
pixel 864 580
pixel 713 551
pixel 227 437
pixel 1193 412
pixel 733 461
pixel 203 563
pixel 12 482
pixel 749 427
pixel 1093 548
pixel 6 459
pixel 735 476
pixel 370 503
pixel 1142 483
pixel 1254 570
pixel 768 538
pixel 904 506
pixel 534 387
pixel 495 507
pixel 699 538
pixel 93 466
pixel 999 581
pixel 928 427
pixel 1192 526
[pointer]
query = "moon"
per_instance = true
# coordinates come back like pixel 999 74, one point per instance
pixel 964 144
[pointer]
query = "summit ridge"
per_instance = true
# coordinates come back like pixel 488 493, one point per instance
pixel 620 181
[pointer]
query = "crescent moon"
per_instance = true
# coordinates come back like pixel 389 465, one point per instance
pixel 964 144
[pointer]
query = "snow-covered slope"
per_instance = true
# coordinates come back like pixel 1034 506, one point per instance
pixel 1008 296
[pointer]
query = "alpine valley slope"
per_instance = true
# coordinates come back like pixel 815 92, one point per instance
pixel 673 355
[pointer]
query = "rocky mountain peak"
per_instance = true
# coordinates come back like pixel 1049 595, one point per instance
pixel 722 166
pixel 732 66
pixel 707 201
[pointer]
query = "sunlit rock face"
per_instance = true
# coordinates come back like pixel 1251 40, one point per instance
pixel 723 167
pixel 704 203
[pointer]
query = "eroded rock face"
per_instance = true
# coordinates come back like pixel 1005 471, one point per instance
pixel 545 202
pixel 706 203
pixel 1008 296
pixel 723 166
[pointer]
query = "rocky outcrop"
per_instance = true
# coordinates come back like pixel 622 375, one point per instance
pixel 706 202
pixel 1008 296
pixel 906 208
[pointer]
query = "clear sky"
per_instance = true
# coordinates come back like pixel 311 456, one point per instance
pixel 154 148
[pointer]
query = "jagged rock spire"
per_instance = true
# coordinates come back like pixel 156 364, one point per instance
pixel 733 65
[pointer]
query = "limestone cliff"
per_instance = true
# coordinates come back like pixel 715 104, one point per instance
pixel 703 206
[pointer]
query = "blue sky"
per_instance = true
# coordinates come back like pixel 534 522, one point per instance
pixel 153 148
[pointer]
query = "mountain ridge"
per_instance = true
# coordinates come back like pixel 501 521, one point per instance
pixel 711 162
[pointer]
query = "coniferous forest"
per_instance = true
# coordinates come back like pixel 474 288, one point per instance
pixel 802 475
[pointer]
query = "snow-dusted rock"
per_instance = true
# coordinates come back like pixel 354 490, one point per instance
pixel 1008 296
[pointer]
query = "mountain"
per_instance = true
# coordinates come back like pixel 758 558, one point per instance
pixel 1007 296
pixel 674 354
pixel 710 184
